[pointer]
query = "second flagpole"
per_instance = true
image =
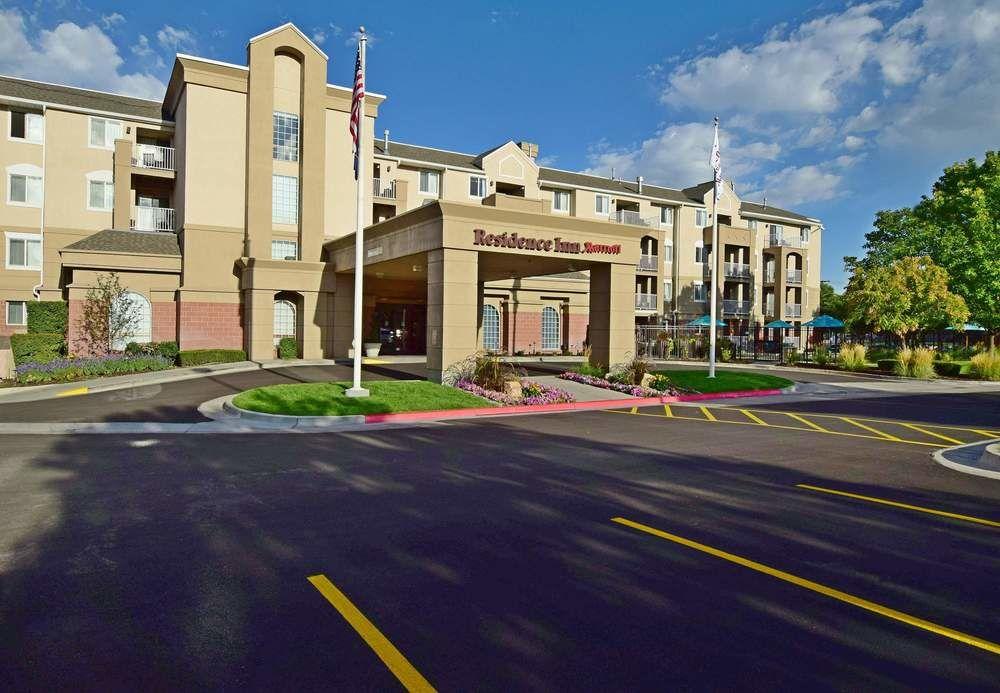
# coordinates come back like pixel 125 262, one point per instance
pixel 359 235
pixel 715 255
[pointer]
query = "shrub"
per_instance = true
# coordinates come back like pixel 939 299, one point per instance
pixel 588 369
pixel 198 357
pixel 986 365
pixel 63 370
pixel 50 317
pixel 791 355
pixel 904 362
pixel 168 350
pixel 877 354
pixel 724 349
pixel 660 382
pixel 629 372
pixel 134 348
pixel 948 369
pixel 37 348
pixel 483 369
pixel 822 355
pixel 852 357
pixel 288 348
pixel 888 365
pixel 922 364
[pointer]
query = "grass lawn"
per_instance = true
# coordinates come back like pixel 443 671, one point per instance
pixel 724 381
pixel 328 399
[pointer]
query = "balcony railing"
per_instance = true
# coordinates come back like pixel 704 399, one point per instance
pixel 626 216
pixel 769 275
pixel 769 310
pixel 735 270
pixel 645 301
pixel 384 189
pixel 153 156
pixel 153 219
pixel 734 307
pixel 788 242
pixel 793 310
pixel 793 276
pixel 647 263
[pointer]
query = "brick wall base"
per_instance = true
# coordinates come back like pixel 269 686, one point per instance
pixel 164 327
pixel 210 325
pixel 522 331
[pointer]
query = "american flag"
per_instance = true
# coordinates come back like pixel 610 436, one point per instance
pixel 356 99
pixel 716 161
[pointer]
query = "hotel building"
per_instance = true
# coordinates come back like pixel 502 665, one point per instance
pixel 228 210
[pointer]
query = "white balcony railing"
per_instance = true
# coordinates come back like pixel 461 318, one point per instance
pixel 793 276
pixel 645 301
pixel 384 189
pixel 647 263
pixel 769 275
pixel 734 307
pixel 769 309
pixel 153 156
pixel 793 310
pixel 786 241
pixel 625 216
pixel 153 219
pixel 735 270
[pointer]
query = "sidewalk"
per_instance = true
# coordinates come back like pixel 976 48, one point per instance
pixel 978 459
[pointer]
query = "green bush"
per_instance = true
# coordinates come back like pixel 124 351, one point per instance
pixel 660 382
pixel 948 369
pixel 65 370
pixel 49 317
pixel 922 364
pixel 822 355
pixel 198 357
pixel 904 363
pixel 37 348
pixel 586 368
pixel 791 355
pixel 288 348
pixel 168 350
pixel 986 365
pixel 888 365
pixel 877 354
pixel 134 348
pixel 852 357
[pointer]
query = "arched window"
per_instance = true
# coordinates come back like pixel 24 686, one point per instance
pixel 550 328
pixel 491 328
pixel 132 319
pixel 284 319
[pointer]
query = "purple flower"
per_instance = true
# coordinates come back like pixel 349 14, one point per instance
pixel 634 390
pixel 531 393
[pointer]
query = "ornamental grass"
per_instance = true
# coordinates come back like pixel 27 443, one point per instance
pixel 986 366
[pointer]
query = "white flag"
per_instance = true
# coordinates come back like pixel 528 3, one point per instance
pixel 716 161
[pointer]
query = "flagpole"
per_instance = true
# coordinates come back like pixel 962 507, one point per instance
pixel 359 232
pixel 715 261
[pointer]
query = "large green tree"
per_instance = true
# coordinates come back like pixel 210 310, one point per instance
pixel 830 302
pixel 958 227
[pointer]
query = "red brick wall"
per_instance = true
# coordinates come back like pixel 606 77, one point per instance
pixel 577 328
pixel 74 335
pixel 164 321
pixel 210 325
pixel 525 332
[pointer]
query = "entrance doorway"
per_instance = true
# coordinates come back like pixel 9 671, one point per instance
pixel 402 327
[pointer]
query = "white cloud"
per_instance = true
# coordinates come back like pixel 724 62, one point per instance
pixel 352 40
pixel 175 40
pixel 853 142
pixel 318 36
pixel 820 133
pixel 69 54
pixel 797 184
pixel 111 20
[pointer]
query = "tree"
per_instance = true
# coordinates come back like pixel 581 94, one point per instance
pixel 907 295
pixel 830 302
pixel 108 316
pixel 958 227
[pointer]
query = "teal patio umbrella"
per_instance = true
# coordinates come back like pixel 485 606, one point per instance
pixel 825 321
pixel 780 325
pixel 705 321
pixel 968 327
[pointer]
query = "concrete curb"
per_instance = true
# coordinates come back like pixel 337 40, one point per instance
pixel 991 455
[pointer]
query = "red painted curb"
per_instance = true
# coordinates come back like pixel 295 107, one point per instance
pixel 440 414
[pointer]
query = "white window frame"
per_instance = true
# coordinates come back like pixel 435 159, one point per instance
pixel 804 235
pixel 294 152
pixel 547 311
pixel 481 186
pixel 667 216
pixel 488 328
pixel 668 251
pixel 24 313
pixel 607 205
pixel 752 224
pixel 699 250
pixel 694 293
pixel 105 145
pixel 105 177
pixel 668 289
pixel 275 218
pixel 29 172
pixel 556 194
pixel 27 129
pixel 701 218
pixel 142 329
pixel 285 243
pixel 430 174
pixel 26 237
pixel 274 321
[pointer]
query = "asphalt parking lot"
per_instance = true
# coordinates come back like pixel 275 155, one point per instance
pixel 590 550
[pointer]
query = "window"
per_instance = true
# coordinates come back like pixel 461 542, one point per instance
pixel 805 235
pixel 491 328
pixel 430 183
pixel 602 204
pixel 560 201
pixel 24 185
pixel 668 251
pixel 776 230
pixel 284 250
pixel 29 127
pixel 104 132
pixel 700 255
pixel 698 292
pixel 17 313
pixel 752 224
pixel 550 328
pixel 284 320
pixel 668 290
pixel 477 186
pixel 24 251
pixel 701 217
pixel 101 191
pixel 284 199
pixel 667 216
pixel 140 329
pixel 285 137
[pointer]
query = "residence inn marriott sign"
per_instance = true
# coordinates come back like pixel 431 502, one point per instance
pixel 556 244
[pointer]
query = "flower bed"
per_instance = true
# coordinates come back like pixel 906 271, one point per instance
pixel 634 390
pixel 65 370
pixel 532 393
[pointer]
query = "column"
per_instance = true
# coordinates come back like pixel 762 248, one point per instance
pixel 452 321
pixel 122 211
pixel 343 315
pixel 313 323
pixel 259 328
pixel 612 313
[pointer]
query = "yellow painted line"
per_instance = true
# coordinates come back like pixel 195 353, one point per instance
pixel 74 391
pixel 807 422
pixel 817 415
pixel 988 434
pixel 666 410
pixel 818 588
pixel 753 417
pixel 373 361
pixel 635 410
pixel 932 433
pixel 386 651
pixel 708 414
pixel 897 504
pixel 869 428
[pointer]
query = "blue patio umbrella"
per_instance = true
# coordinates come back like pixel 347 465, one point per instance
pixel 826 321
pixel 705 321
pixel 780 325
pixel 969 327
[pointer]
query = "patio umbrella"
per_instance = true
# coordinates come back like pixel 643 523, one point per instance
pixel 780 324
pixel 969 327
pixel 705 321
pixel 826 321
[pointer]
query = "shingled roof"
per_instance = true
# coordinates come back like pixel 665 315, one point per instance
pixel 135 242
pixel 79 98
pixel 754 208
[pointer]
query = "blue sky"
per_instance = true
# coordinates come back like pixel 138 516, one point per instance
pixel 833 109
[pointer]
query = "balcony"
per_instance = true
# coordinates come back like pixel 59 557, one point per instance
pixel 769 275
pixel 793 310
pixel 626 216
pixel 793 276
pixel 153 156
pixel 645 302
pixel 647 263
pixel 735 270
pixel 383 189
pixel 734 307
pixel 153 219
pixel 790 242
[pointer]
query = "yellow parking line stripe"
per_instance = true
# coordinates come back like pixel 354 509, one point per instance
pixel 932 433
pixel 708 414
pixel 988 434
pixel 74 391
pixel 807 422
pixel 897 504
pixel 885 435
pixel 386 651
pixel 818 588
pixel 817 415
pixel 753 417
pixel 635 410
pixel 666 410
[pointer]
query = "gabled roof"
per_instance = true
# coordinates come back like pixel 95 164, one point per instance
pixel 74 97
pixel 631 187
pixel 134 242
pixel 289 25
pixel 752 208
pixel 441 157
pixel 698 192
